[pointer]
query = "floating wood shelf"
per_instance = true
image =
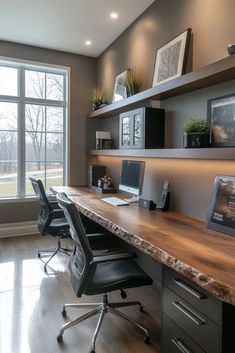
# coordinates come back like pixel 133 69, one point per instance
pixel 220 71
pixel 184 153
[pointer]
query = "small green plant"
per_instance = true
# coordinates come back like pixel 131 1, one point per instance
pixel 132 82
pixel 196 126
pixel 97 95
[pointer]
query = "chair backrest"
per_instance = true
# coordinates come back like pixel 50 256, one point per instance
pixel 44 218
pixel 80 264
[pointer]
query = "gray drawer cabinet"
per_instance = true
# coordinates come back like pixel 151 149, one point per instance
pixel 193 320
pixel 142 128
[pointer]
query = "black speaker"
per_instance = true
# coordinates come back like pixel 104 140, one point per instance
pixel 95 172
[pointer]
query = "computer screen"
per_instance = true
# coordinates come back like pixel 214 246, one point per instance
pixel 131 177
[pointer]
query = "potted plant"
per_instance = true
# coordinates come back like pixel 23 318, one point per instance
pixel 132 82
pixel 196 134
pixel 97 98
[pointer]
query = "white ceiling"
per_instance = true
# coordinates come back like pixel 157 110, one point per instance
pixel 66 24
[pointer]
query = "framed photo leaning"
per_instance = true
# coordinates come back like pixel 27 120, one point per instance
pixel 119 91
pixel 171 58
pixel 221 120
pixel 221 213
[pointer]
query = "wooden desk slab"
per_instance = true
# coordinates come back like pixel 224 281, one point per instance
pixel 182 243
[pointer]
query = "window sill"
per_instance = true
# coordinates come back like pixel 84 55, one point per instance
pixel 18 199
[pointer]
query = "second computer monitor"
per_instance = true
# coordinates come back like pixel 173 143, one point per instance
pixel 131 177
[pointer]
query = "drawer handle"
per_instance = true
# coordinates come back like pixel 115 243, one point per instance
pixel 189 313
pixel 181 345
pixel 189 289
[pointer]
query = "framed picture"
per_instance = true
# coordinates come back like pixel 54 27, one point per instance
pixel 221 120
pixel 221 214
pixel 171 58
pixel 119 91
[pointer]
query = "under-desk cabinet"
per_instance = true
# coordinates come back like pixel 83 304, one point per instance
pixel 193 320
pixel 142 128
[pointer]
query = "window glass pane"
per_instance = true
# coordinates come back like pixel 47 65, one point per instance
pixel 34 117
pixel 54 147
pixel 34 84
pixel 35 146
pixel 8 179
pixel 36 170
pixel 54 120
pixel 8 81
pixel 8 146
pixel 54 175
pixel 8 116
pixel 55 87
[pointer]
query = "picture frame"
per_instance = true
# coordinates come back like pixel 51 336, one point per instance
pixel 221 213
pixel 171 58
pixel 221 120
pixel 120 91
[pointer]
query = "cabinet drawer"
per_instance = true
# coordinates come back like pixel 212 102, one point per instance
pixel 174 340
pixel 202 330
pixel 194 295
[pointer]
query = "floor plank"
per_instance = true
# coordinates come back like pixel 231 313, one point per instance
pixel 31 303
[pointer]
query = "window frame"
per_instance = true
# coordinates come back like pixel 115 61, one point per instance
pixel 21 100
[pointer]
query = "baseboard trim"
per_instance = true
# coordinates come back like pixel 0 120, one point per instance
pixel 17 229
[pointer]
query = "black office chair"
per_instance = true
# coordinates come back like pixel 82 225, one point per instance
pixel 51 221
pixel 100 274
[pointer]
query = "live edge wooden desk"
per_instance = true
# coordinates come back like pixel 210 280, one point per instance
pixel 203 264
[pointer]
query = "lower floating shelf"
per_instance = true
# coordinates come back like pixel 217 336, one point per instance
pixel 184 153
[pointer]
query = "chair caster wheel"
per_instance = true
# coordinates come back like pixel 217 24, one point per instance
pixel 63 312
pixel 141 309
pixel 146 339
pixel 92 351
pixel 123 294
pixel 39 255
pixel 59 338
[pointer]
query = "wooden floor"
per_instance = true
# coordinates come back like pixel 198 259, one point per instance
pixel 31 303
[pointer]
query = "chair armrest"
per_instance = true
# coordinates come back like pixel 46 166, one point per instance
pixel 112 257
pixel 57 213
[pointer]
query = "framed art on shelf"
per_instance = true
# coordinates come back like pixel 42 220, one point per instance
pixel 221 120
pixel 221 213
pixel 119 91
pixel 171 58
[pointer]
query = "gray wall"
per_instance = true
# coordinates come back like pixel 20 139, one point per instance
pixel 213 28
pixel 82 80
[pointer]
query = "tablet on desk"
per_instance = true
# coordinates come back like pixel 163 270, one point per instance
pixel 115 201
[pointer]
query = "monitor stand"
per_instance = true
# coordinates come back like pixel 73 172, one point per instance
pixel 134 198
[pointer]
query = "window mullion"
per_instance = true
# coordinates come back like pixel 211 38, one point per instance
pixel 21 135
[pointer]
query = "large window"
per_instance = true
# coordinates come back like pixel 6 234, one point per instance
pixel 33 108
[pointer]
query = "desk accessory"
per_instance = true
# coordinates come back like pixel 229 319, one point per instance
pixel 147 204
pixel 163 204
pixel 95 172
pixel 106 191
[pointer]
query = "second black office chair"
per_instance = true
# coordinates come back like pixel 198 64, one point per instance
pixel 51 221
pixel 101 274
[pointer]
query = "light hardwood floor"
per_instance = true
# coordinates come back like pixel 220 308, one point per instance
pixel 31 303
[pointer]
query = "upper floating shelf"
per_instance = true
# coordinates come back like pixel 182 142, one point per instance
pixel 220 71
pixel 226 153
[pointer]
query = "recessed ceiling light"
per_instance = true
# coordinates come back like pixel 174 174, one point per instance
pixel 114 15
pixel 88 42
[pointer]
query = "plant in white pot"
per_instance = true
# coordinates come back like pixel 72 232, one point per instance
pixel 196 134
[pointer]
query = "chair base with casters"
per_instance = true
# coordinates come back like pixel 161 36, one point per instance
pixel 53 252
pixel 102 308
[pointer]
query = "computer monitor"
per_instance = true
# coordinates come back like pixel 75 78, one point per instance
pixel 131 178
